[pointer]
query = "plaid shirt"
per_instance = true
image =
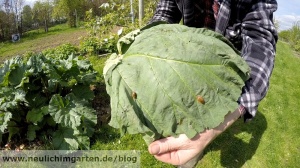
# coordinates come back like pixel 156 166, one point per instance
pixel 204 14
pixel 248 24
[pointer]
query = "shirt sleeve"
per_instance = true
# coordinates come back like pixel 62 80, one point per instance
pixel 168 11
pixel 259 46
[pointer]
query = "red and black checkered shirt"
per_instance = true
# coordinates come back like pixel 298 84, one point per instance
pixel 205 13
pixel 258 35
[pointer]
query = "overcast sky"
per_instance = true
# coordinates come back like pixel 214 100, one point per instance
pixel 288 12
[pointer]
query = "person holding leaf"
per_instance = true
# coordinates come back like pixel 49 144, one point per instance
pixel 248 24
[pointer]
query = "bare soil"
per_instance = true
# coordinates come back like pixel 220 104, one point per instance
pixel 101 104
pixel 43 43
pixel 52 41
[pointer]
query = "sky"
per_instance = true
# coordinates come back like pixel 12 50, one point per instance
pixel 287 15
pixel 29 2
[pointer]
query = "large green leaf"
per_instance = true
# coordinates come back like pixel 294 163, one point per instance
pixel 4 119
pixel 36 99
pixel 4 73
pixel 10 98
pixel 31 132
pixel 173 79
pixel 19 95
pixel 89 120
pixel 71 112
pixel 70 139
pixel 83 91
pixel 36 64
pixel 6 99
pixel 87 78
pixel 83 64
pixel 36 115
pixel 17 71
pixel 83 141
pixel 64 139
pixel 12 71
pixel 13 129
pixel 64 111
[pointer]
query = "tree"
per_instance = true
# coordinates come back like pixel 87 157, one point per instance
pixel 17 6
pixel 7 19
pixel 27 19
pixel 94 5
pixel 72 9
pixel 276 24
pixel 42 12
pixel 11 18
pixel 2 25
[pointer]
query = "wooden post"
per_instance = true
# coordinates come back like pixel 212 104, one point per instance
pixel 131 11
pixel 141 12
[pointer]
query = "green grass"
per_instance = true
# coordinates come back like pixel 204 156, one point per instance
pixel 38 40
pixel 98 64
pixel 108 138
pixel 272 139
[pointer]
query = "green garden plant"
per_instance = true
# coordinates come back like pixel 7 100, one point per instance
pixel 44 96
pixel 61 52
pixel 105 30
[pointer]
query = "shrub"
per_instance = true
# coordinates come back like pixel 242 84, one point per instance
pixel 103 36
pixel 61 52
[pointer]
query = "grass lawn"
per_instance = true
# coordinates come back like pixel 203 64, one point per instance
pixel 37 40
pixel 271 140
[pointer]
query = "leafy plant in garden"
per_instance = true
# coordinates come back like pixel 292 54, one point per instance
pixel 61 52
pixel 90 45
pixel 46 96
pixel 105 30
pixel 94 45
pixel 160 88
pixel 113 14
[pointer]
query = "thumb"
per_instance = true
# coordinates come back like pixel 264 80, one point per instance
pixel 167 144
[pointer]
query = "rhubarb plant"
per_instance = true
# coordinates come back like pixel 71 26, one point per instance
pixel 47 96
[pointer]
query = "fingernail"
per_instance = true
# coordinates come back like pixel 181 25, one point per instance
pixel 154 149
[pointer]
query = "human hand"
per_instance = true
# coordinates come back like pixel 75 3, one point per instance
pixel 180 150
